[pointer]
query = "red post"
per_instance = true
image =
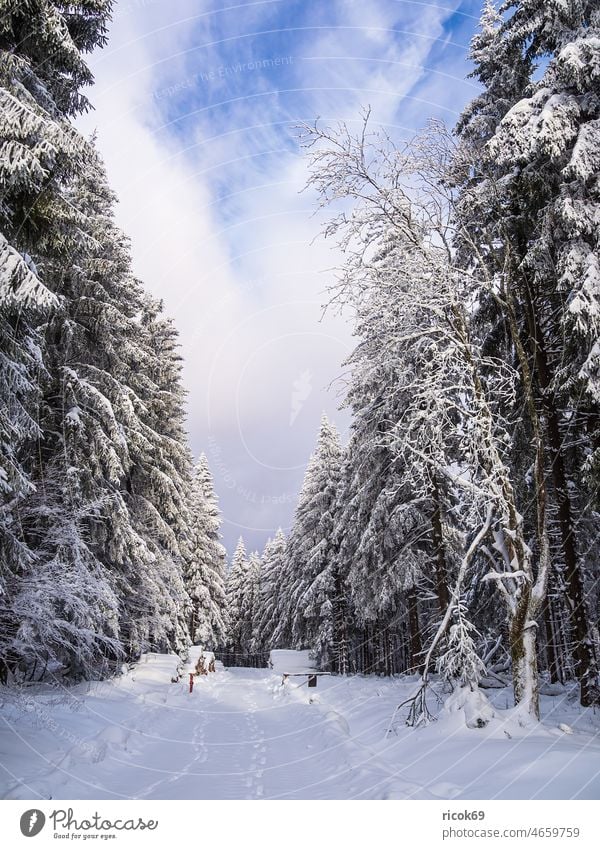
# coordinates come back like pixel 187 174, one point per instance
pixel 191 681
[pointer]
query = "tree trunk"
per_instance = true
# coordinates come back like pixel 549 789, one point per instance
pixel 388 652
pixel 576 604
pixel 551 652
pixel 413 629
pixel 522 628
pixel 522 635
pixel 529 600
pixel 340 635
pixel 441 573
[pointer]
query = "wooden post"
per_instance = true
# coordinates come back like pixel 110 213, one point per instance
pixel 191 681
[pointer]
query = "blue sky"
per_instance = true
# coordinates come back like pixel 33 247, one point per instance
pixel 197 108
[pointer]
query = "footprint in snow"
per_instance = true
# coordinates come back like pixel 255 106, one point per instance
pixel 444 789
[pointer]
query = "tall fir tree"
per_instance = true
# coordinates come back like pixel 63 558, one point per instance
pixel 251 601
pixel 94 511
pixel 306 612
pixel 525 216
pixel 158 485
pixel 269 593
pixel 205 577
pixel 235 590
pixel 23 300
pixel 42 71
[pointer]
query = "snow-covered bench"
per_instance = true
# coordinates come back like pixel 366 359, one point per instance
pixel 294 664
pixel 310 674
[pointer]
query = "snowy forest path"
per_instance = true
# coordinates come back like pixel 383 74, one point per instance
pixel 242 734
pixel 239 735
pixel 253 738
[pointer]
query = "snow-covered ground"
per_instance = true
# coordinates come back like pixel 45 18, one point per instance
pixel 241 735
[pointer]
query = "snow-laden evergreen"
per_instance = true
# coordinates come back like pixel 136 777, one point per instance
pixel 451 426
pixel 54 609
pixel 525 217
pixel 243 597
pixel 205 576
pixel 83 534
pixel 108 517
pixel 503 71
pixel 96 527
pixel 23 298
pixel 41 72
pixel 393 541
pixel 159 485
pixel 235 589
pixel 250 601
pixel 306 600
pixel 270 593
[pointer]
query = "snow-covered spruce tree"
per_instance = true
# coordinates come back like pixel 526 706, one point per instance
pixel 109 534
pixel 460 664
pixel 502 69
pixel 391 529
pixel 460 667
pixel 525 216
pixel 113 472
pixel 235 589
pixel 23 299
pixel 159 483
pixel 269 593
pixel 205 575
pixel 308 579
pixel 381 541
pixel 77 518
pixel 42 70
pixel 41 73
pixel 250 601
pixel 52 38
pixel 445 390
